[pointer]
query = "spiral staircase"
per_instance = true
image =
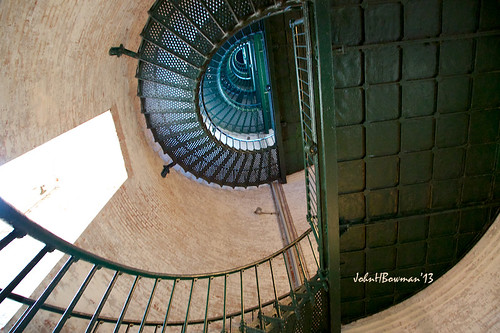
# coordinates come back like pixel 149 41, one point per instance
pixel 399 158
pixel 210 113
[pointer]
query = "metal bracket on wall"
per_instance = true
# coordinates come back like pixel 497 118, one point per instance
pixel 120 50
pixel 166 169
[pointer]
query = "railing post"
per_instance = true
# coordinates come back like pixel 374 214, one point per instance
pixel 224 310
pixel 102 302
pixel 205 321
pixel 72 305
pixel 125 305
pixel 143 321
pixel 168 307
pixel 327 152
pixel 185 326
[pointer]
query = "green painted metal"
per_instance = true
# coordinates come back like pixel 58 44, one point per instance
pixel 313 54
pixel 186 320
pixel 205 321
pixel 303 63
pixel 94 321
pixel 263 81
pixel 282 73
pixel 75 300
pixel 417 109
pixel 22 274
pixel 22 225
pixel 327 154
pixel 148 306
pixel 174 59
pixel 169 306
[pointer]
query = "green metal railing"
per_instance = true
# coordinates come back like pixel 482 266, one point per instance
pixel 314 75
pixel 304 72
pixel 267 307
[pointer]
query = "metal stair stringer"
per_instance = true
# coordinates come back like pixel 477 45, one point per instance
pixel 178 42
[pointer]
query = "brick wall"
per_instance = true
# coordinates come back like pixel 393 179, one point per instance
pixel 57 74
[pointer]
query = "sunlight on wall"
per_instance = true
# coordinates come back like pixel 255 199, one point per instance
pixel 61 185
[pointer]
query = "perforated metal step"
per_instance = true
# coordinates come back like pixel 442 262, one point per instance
pixel 179 40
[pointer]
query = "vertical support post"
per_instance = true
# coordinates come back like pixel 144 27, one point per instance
pixel 224 312
pixel 262 84
pixel 102 302
pixel 10 237
pixel 292 292
pixel 205 324
pixel 327 152
pixel 143 321
pixel 168 307
pixel 125 305
pixel 261 320
pixel 185 326
pixel 312 250
pixel 276 304
pixel 242 324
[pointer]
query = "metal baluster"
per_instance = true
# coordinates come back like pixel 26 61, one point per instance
pixel 261 320
pixel 102 302
pixel 125 305
pixel 278 312
pixel 205 326
pixel 96 327
pixel 184 327
pixel 242 324
pixel 10 237
pixel 224 315
pixel 148 306
pixel 312 249
pixel 75 300
pixel 30 312
pixel 289 280
pixel 300 263
pixel 13 284
pixel 168 307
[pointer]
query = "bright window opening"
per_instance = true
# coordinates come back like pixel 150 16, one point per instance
pixel 61 185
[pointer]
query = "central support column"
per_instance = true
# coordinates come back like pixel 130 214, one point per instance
pixel 319 15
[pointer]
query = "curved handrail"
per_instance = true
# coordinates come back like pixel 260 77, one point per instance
pixel 24 226
pixel 22 223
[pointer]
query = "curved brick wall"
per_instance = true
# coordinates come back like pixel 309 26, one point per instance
pixel 59 75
